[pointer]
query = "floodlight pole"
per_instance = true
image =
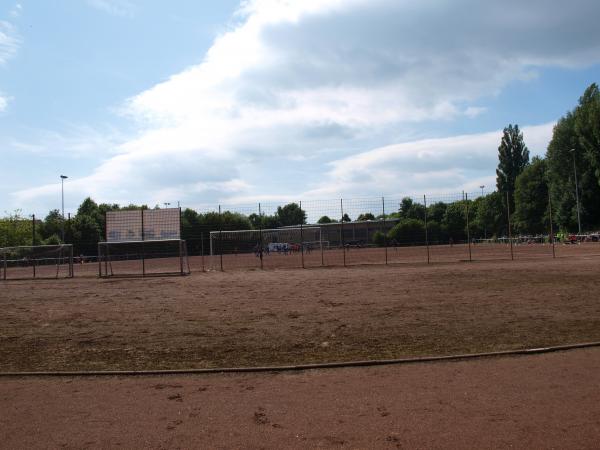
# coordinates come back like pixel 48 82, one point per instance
pixel 62 190
pixel 572 151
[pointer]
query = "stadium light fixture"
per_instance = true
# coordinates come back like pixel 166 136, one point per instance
pixel 572 151
pixel 62 191
pixel 481 187
pixel 167 204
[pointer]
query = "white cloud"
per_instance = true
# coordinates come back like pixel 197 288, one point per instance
pixel 474 111
pixel 433 166
pixel 294 85
pixel 16 10
pixel 123 8
pixel 3 103
pixel 9 41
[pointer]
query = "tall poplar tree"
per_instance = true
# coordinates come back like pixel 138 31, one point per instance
pixel 513 157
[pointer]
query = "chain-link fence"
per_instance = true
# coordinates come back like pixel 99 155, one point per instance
pixel 344 232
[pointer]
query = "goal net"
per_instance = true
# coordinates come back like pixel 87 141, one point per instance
pixel 277 240
pixel 38 261
pixel 143 258
pixel 143 243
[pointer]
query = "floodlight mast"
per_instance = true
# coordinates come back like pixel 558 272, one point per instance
pixel 62 190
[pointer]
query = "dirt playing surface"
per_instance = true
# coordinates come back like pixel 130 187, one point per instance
pixel 544 401
pixel 246 318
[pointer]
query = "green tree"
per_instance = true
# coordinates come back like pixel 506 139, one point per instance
pixel 15 230
pixel 531 198
pixel 346 218
pixel 52 224
pixel 436 212
pixel 455 220
pixel 411 210
pixel 587 127
pixel 408 231
pixel 325 219
pixel 365 216
pixel 490 215
pixel 270 222
pixel 86 234
pixel 379 239
pixel 575 131
pixel 513 157
pixel 291 214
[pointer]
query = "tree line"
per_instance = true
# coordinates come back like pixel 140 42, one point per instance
pixel 525 191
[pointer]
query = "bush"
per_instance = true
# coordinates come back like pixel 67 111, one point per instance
pixel 379 239
pixel 408 231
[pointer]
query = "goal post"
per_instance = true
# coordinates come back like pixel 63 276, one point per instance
pixel 143 242
pixel 143 258
pixel 36 262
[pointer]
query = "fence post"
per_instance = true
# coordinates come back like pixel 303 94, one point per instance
pixel 33 243
pixel 551 226
pixel 301 238
pixel 512 256
pixel 321 244
pixel 385 244
pixel 426 232
pixel 261 244
pixel 221 238
pixel 342 231
pixel 180 243
pixel 202 250
pixel 105 249
pixel 143 246
pixel 468 227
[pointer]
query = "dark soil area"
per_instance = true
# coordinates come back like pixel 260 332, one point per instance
pixel 295 316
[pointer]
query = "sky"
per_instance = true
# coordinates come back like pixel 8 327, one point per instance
pixel 230 102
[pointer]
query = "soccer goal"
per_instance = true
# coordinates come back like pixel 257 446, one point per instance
pixel 36 262
pixel 143 243
pixel 277 240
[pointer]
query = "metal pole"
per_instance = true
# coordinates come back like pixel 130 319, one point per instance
pixel 551 226
pixel 180 242
pixel 202 249
pixel 321 244
pixel 33 243
pixel 62 192
pixel 221 238
pixel 301 239
pixel 576 193
pixel 143 248
pixel 342 231
pixel 261 243
pixel 181 256
pixel 384 234
pixel 512 255
pixel 106 248
pixel 71 262
pixel 426 232
pixel 468 231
